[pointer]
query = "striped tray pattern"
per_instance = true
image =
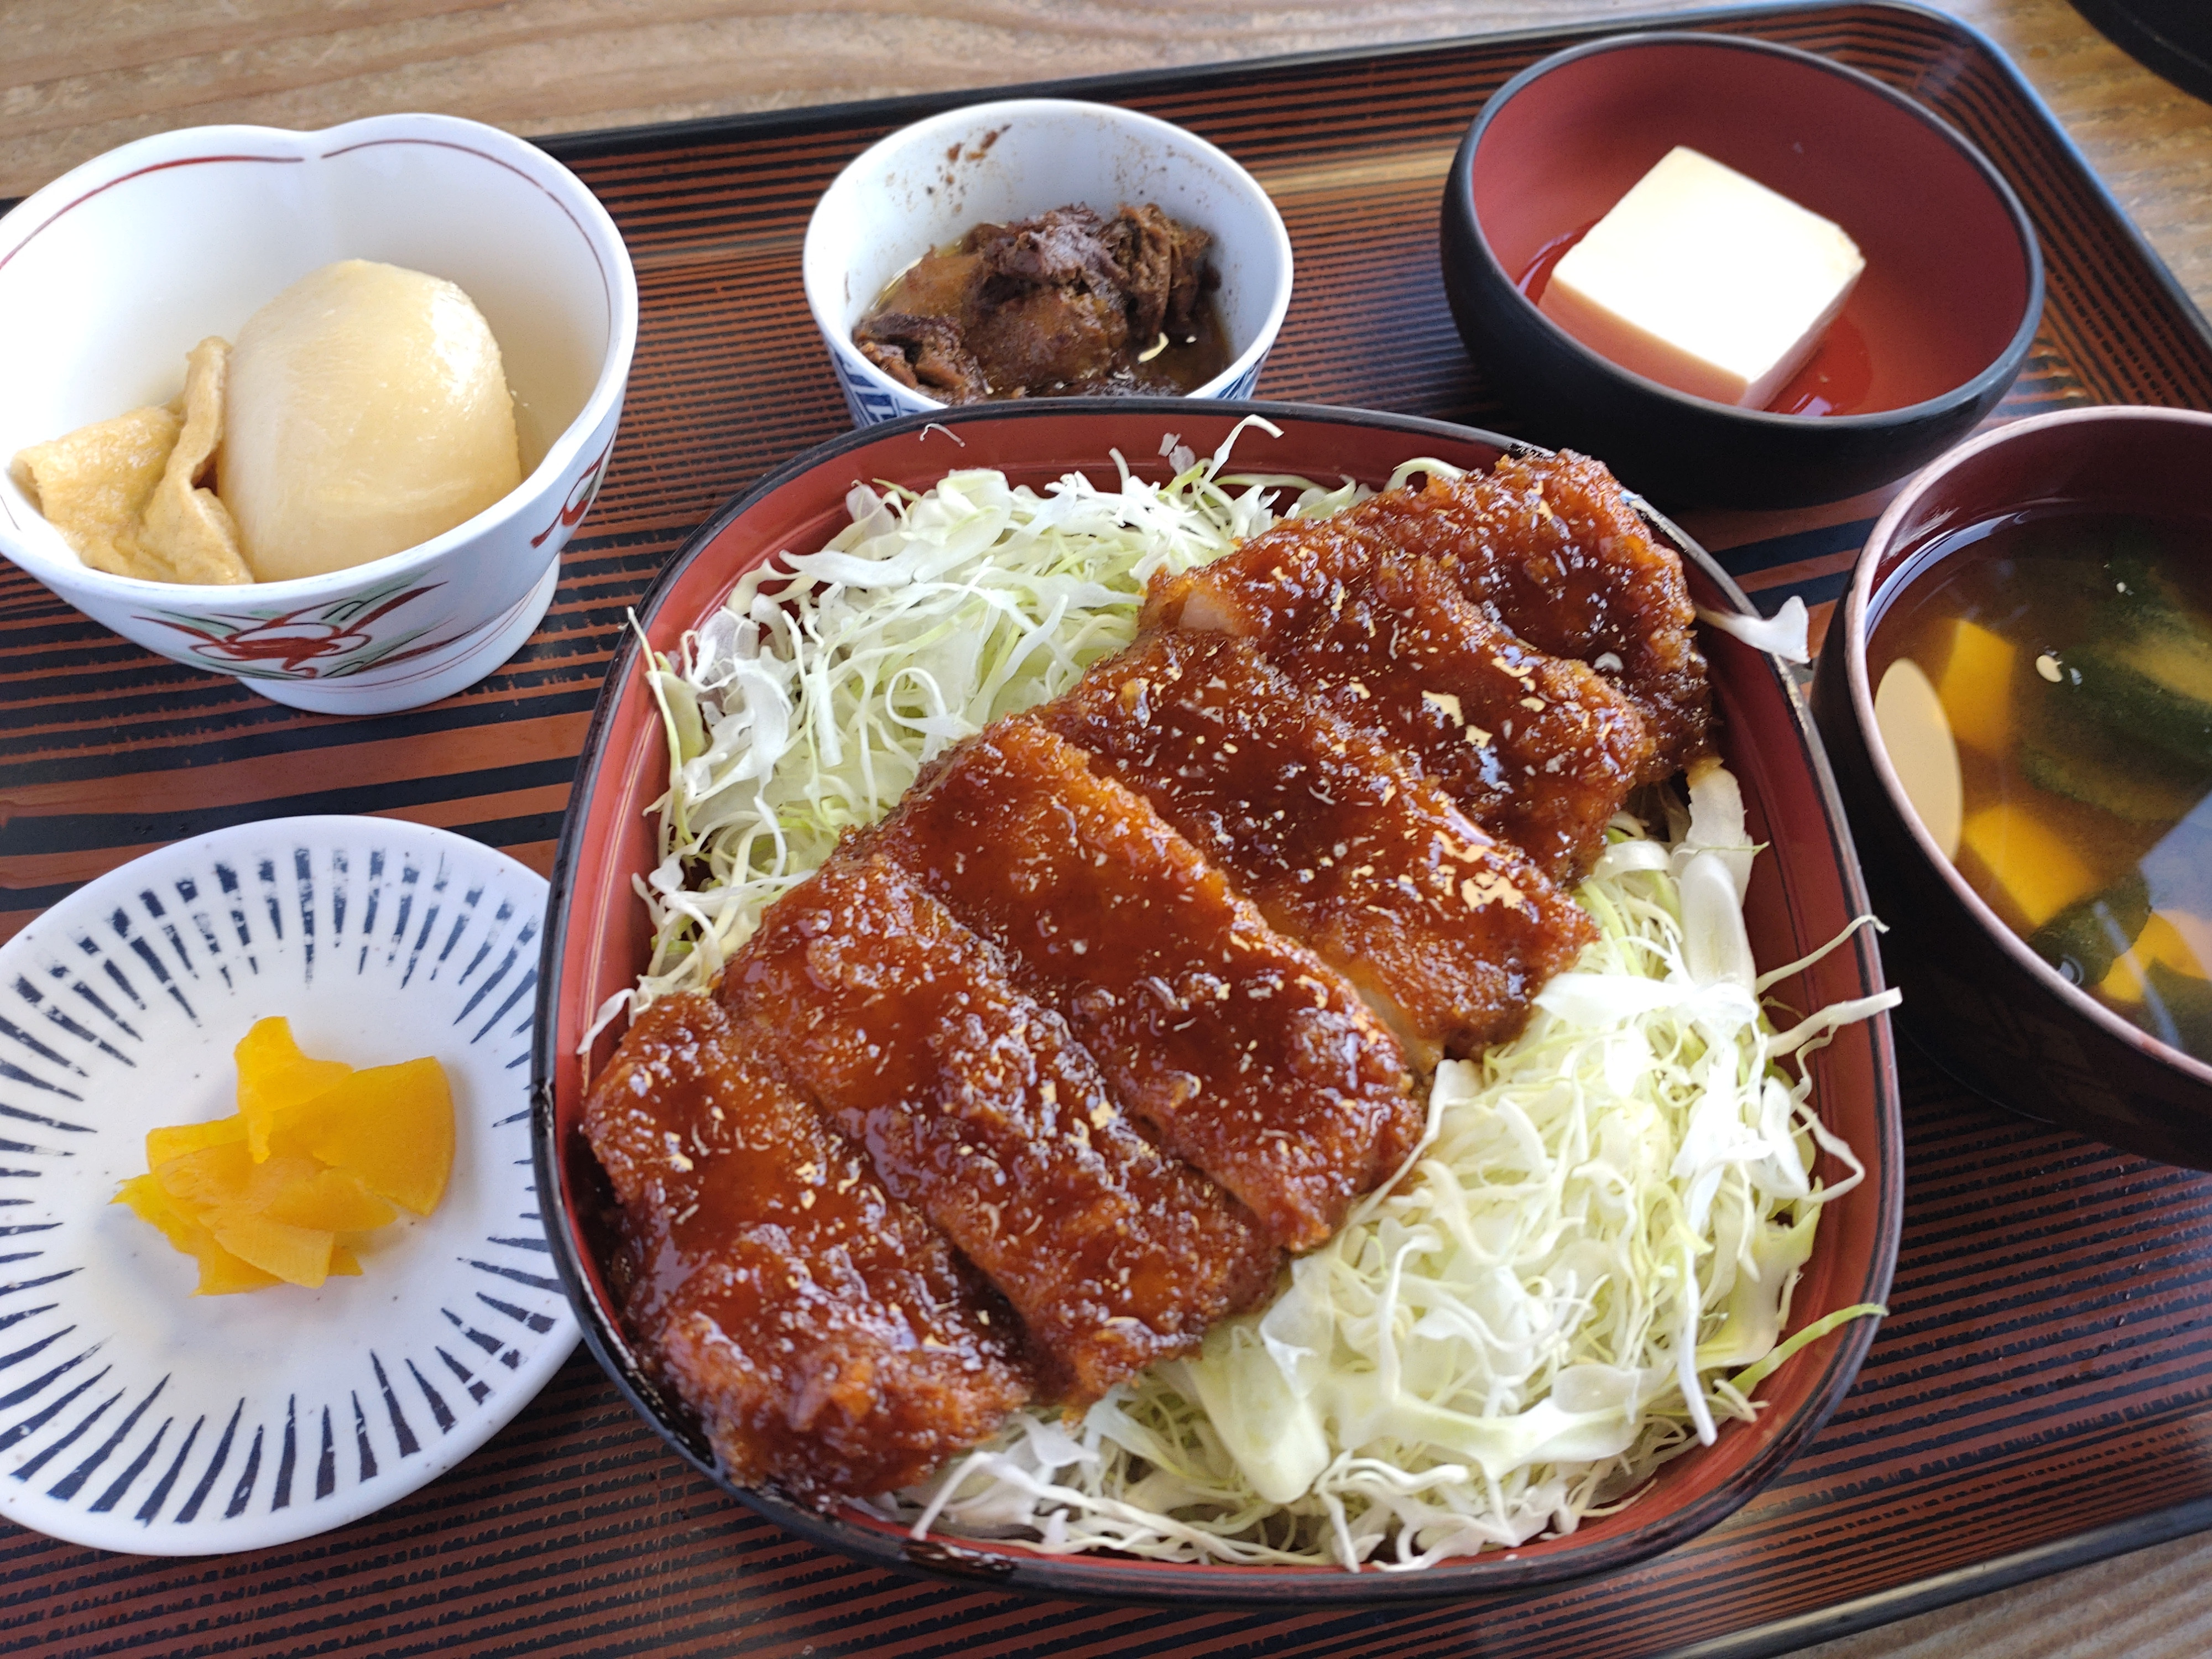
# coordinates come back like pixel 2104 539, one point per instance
pixel 2042 1393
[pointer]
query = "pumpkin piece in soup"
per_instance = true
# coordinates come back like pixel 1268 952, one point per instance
pixel 2032 865
pixel 1977 687
pixel 2160 942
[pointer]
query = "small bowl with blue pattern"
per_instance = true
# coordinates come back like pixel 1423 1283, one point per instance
pixel 927 186
pixel 135 1416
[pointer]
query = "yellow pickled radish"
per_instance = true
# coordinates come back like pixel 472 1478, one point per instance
pixel 162 1145
pixel 391 1126
pixel 330 1199
pixel 297 1255
pixel 316 1149
pixel 216 1188
pixel 146 1200
pixel 273 1075
pixel 213 1177
pixel 222 1273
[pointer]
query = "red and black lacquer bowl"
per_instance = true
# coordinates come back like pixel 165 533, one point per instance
pixel 1804 890
pixel 1983 1005
pixel 1930 339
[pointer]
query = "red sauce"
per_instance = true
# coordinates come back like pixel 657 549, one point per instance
pixel 1538 277
pixel 1835 380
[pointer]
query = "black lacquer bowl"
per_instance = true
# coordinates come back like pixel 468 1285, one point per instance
pixel 1985 1007
pixel 1935 330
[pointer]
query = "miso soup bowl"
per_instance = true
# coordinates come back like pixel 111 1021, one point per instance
pixel 929 184
pixel 1981 1004
pixel 1947 307
pixel 112 273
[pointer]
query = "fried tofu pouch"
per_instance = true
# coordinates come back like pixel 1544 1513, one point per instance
pixel 130 494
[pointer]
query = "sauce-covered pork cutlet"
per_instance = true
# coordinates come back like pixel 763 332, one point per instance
pixel 1551 546
pixel 1244 1052
pixel 825 1333
pixel 1336 838
pixel 977 1107
pixel 1539 749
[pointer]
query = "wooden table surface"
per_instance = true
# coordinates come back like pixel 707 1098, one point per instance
pixel 79 77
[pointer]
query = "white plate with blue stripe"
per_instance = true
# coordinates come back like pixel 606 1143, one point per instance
pixel 136 1417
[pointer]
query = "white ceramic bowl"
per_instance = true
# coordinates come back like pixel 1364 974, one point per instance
pixel 927 184
pixel 112 272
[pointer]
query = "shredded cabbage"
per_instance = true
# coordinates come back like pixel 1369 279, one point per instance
pixel 808 703
pixel 1589 1261
pixel 1787 633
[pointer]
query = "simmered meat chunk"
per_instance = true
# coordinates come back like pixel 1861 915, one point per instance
pixel 1336 836
pixel 977 1107
pixel 826 1335
pixel 1069 302
pixel 1539 749
pixel 924 352
pixel 1551 545
pixel 1160 265
pixel 1244 1052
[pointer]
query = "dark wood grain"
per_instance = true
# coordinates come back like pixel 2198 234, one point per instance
pixel 2044 1385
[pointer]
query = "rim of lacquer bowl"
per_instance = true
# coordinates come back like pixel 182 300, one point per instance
pixel 593 824
pixel 1851 637
pixel 1999 371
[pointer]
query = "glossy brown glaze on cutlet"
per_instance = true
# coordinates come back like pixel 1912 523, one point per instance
pixel 827 1336
pixel 1552 546
pixel 1244 1052
pixel 1539 749
pixel 1337 837
pixel 977 1107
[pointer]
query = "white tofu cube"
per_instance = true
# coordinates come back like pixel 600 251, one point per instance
pixel 1705 280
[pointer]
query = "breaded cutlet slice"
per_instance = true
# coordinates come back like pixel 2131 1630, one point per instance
pixel 827 1336
pixel 1552 544
pixel 1541 750
pixel 1241 1051
pixel 977 1107
pixel 1335 837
